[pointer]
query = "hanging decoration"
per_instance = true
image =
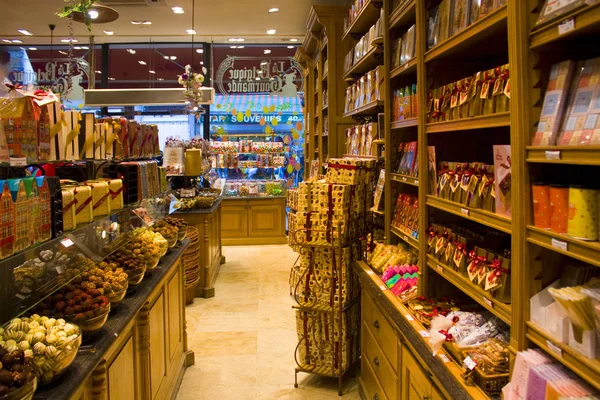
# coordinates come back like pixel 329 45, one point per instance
pixel 192 83
pixel 77 7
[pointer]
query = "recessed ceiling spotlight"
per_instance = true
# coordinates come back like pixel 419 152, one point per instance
pixel 142 62
pixel 111 79
pixel 136 22
pixel 240 47
pixel 131 51
pixel 109 32
pixel 233 47
pixel 146 22
pixel 293 40
pixel 98 72
pixel 152 71
pixel 62 52
pixel 267 51
pixel 16 41
pixel 173 58
pixel 85 47
pixel 271 31
pixel 160 79
pixel 33 48
pixel 25 32
pixel 177 10
pixel 77 47
pixel 199 51
pixel 93 14
pixel 69 40
pixel 201 62
pixel 290 47
pixel 6 41
pixel 257 79
pixel 273 10
pixel 191 32
pixel 237 39
pixel 263 63
pixel 166 57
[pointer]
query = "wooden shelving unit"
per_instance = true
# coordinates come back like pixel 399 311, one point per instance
pixel 505 35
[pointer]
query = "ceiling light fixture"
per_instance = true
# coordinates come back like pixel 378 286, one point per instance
pixel 233 47
pixel 178 10
pixel 25 32
pixel 96 14
pixel 33 48
pixel 237 39
pixel 62 52
pixel 191 32
pixel 136 22
pixel 240 47
pixel 152 71
pixel 93 14
pixel 199 51
pixel 142 62
pixel 160 79
pixel 16 41
pixel 166 57
pixel 202 62
pixel 69 40
pixel 290 47
pixel 267 51
pixel 111 79
pixel 77 48
pixel 271 31
pixel 257 79
pixel 173 58
pixel 6 41
pixel 98 72
pixel 146 22
pixel 293 40
pixel 109 33
pixel 131 51
pixel 273 10
pixel 85 47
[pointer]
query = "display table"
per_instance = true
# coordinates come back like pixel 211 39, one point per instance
pixel 115 363
pixel 254 220
pixel 208 223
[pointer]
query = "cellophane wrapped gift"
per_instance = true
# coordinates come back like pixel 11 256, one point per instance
pixel 69 206
pixel 100 197
pixel 22 214
pixel 7 221
pixel 44 196
pixel 318 330
pixel 350 171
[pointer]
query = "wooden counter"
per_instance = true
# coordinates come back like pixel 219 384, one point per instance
pixel 208 223
pixel 254 220
pixel 141 352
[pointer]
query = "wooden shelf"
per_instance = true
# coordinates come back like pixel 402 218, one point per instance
pixel 588 252
pixel 407 123
pixel 406 179
pixel 578 155
pixel 367 63
pixel 469 38
pixel 501 310
pixel 412 330
pixel 367 109
pixel 408 68
pixel 403 15
pixel 587 368
pixel 481 122
pixel 411 241
pixel 587 20
pixel 365 19
pixel 483 217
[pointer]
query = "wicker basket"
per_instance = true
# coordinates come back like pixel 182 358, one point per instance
pixel 491 384
pixel 190 291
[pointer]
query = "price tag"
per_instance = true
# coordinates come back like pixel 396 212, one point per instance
pixel 417 182
pixel 554 348
pixel 67 242
pixel 382 287
pixel 469 363
pixel 444 358
pixel 409 317
pixel 552 155
pixel 369 272
pixel 425 334
pixel 464 211
pixel 566 26
pixel 18 161
pixel 488 302
pixel 440 269
pixel 403 179
pixel 559 244
pixel 60 269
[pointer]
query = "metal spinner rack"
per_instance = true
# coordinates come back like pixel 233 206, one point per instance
pixel 327 294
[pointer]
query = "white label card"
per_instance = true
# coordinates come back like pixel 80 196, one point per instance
pixel 488 302
pixel 554 348
pixel 18 161
pixel 469 363
pixel 425 334
pixel 559 244
pixel 382 287
pixel 552 155
pixel 409 317
pixel 566 26
pixel 67 242
pixel 464 211
pixel 370 272
pixel 444 358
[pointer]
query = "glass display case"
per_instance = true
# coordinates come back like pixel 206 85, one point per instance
pixel 30 276
pixel 254 188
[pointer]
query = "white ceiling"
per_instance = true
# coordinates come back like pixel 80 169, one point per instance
pixel 216 20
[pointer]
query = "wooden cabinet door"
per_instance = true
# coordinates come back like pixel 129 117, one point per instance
pixel 416 385
pixel 266 220
pixel 175 318
pixel 436 394
pixel 158 359
pixel 121 374
pixel 234 221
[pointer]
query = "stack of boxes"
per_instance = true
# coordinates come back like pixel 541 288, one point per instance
pixel 328 230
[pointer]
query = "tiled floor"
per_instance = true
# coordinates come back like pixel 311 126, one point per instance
pixel 244 337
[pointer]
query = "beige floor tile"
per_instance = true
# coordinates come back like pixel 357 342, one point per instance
pixel 218 392
pixel 209 344
pixel 277 340
pixel 221 370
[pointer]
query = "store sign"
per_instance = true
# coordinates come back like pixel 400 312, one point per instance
pixel 278 75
